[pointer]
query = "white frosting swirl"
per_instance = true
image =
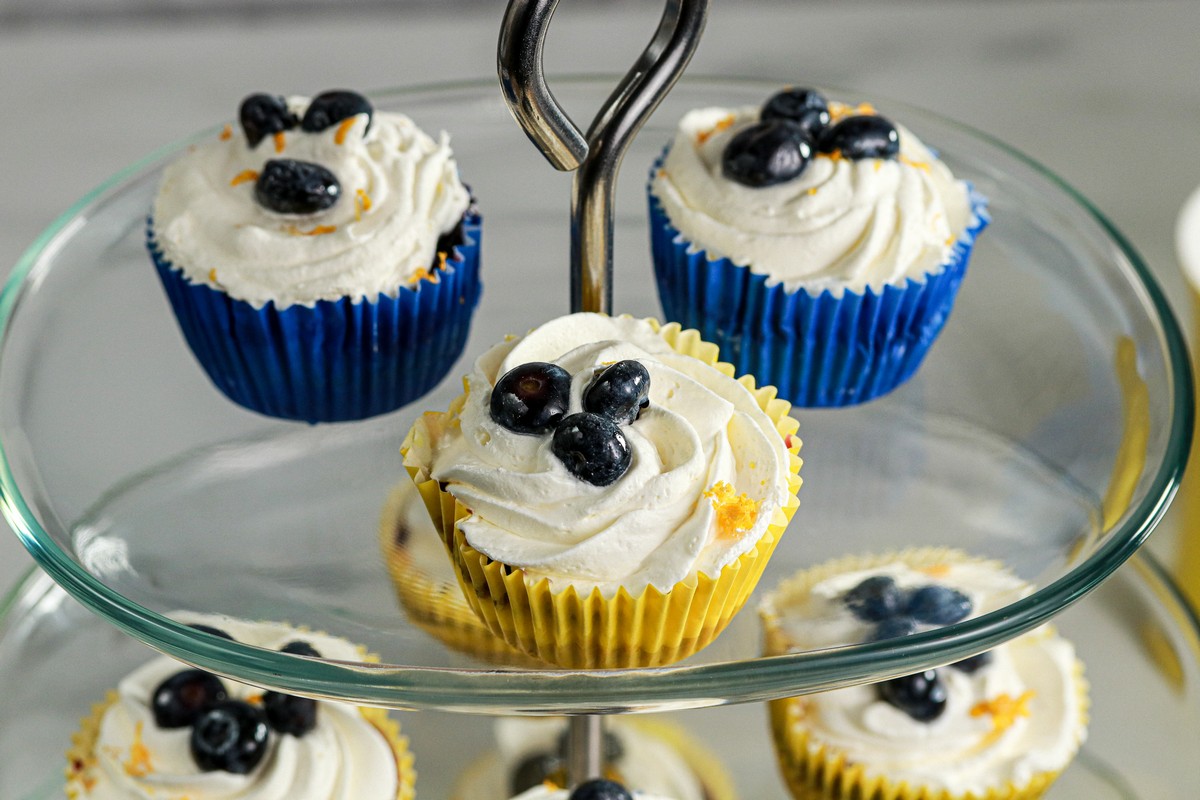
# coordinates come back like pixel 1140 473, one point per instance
pixel 654 525
pixel 549 793
pixel 399 192
pixel 967 749
pixel 343 758
pixel 841 224
pixel 647 763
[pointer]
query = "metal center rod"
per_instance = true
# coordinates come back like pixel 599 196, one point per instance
pixel 622 116
pixel 585 748
pixel 596 156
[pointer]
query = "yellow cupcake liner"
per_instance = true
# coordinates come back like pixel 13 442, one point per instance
pixel 82 763
pixel 815 771
pixel 714 778
pixel 591 631
pixel 437 606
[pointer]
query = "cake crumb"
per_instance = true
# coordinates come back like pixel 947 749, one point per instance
pixel 226 133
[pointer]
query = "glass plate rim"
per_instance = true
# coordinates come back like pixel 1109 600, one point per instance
pixel 556 691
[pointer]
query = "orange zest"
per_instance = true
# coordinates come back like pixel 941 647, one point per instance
pixel 423 274
pixel 226 133
pixel 736 513
pixel 280 141
pixel 362 203
pixel 339 136
pixel 138 765
pixel 245 176
pixel 1004 710
pixel 319 230
pixel 838 111
pixel 723 123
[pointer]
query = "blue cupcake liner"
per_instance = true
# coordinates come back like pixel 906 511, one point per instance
pixel 337 360
pixel 818 350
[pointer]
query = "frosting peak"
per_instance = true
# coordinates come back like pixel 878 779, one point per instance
pixel 344 757
pixel 399 191
pixel 653 525
pixel 843 223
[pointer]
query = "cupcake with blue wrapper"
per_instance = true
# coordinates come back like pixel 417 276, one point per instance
pixel 323 262
pixel 818 244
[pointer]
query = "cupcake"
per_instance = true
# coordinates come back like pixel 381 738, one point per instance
pixel 1000 725
pixel 819 244
pixel 427 584
pixel 169 731
pixel 323 261
pixel 643 755
pixel 599 789
pixel 608 492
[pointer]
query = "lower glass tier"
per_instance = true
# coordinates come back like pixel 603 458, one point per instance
pixel 1140 643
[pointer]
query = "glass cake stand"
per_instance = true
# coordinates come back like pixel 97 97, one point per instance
pixel 1138 639
pixel 1048 428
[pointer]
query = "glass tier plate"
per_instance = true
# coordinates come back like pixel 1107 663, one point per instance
pixel 1047 428
pixel 1140 643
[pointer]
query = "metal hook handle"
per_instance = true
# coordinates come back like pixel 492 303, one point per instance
pixel 597 156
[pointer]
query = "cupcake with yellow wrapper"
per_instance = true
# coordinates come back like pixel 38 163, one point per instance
pixel 426 583
pixel 645 755
pixel 1001 725
pixel 169 731
pixel 608 492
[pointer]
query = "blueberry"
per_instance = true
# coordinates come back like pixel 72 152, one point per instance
pixel 620 392
pixel 876 598
pixel 922 696
pixel 290 714
pixel 299 648
pixel 893 628
pixel 766 153
pixel 182 698
pixel 296 187
pixel 937 605
pixel 531 398
pixel 533 771
pixel 211 631
pixel 262 115
pixel 974 663
pixel 231 736
pixel 600 789
pixel 592 447
pixel 329 108
pixel 863 136
pixel 807 108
